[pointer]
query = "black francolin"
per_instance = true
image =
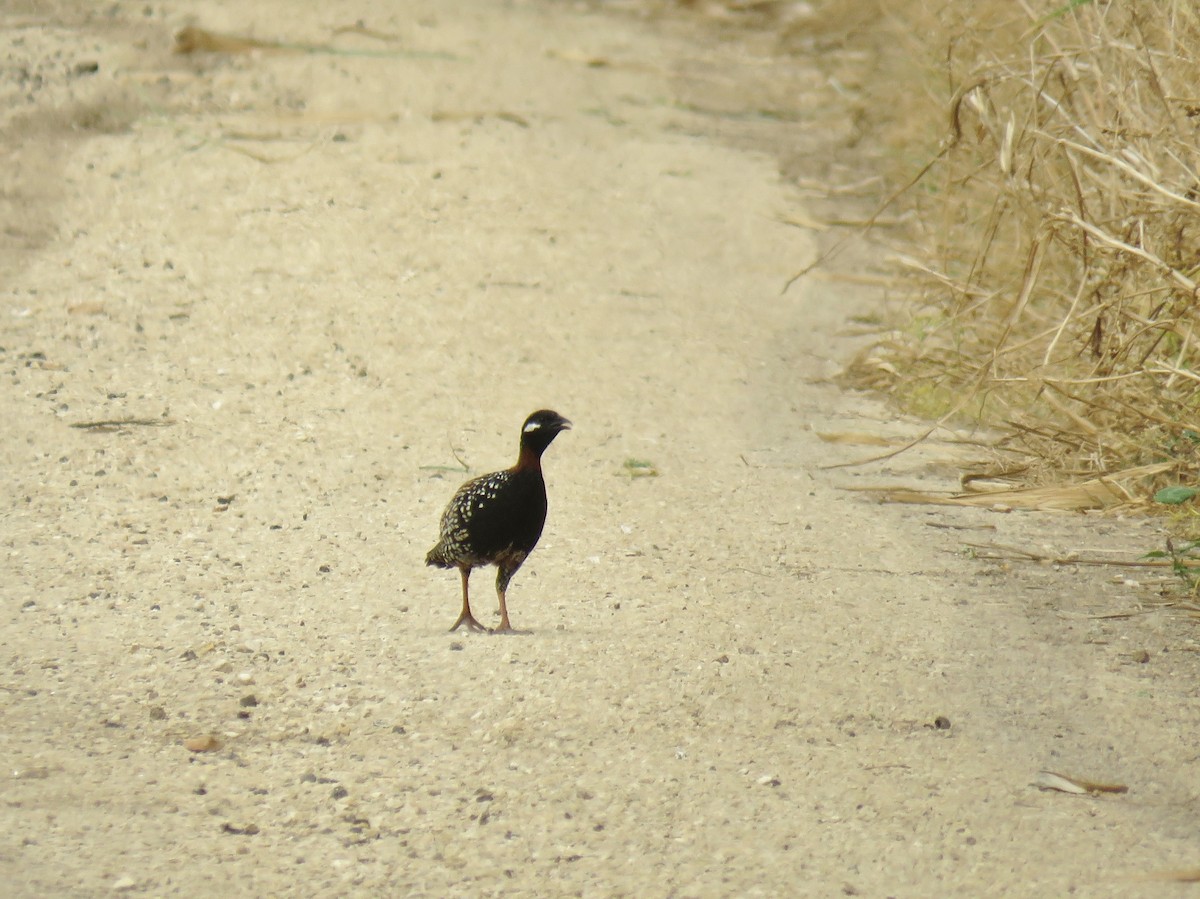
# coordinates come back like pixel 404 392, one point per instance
pixel 497 519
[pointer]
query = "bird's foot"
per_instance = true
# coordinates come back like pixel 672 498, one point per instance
pixel 469 620
pixel 505 628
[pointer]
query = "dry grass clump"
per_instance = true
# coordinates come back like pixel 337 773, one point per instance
pixel 1060 236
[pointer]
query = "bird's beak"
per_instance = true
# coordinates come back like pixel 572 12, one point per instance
pixel 564 425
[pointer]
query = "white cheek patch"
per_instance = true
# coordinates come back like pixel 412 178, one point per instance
pixel 532 426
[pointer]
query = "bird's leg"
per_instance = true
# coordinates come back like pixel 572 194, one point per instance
pixel 503 576
pixel 504 625
pixel 466 617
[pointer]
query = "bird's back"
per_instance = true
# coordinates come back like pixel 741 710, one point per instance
pixel 496 515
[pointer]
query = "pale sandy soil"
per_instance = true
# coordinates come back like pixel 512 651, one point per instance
pixel 317 280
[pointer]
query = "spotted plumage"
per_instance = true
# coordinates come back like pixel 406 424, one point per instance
pixel 497 519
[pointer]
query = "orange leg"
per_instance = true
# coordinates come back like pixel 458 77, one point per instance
pixel 504 625
pixel 466 617
pixel 503 576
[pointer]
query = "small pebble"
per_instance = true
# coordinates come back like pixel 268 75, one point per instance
pixel 203 743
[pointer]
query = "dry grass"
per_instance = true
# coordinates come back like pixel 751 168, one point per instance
pixel 1048 154
pixel 1058 250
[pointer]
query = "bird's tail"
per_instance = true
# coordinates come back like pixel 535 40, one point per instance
pixel 436 556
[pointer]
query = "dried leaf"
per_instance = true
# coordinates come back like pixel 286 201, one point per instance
pixel 248 831
pixel 1181 875
pixel 1049 780
pixel 1097 493
pixel 200 40
pixel 855 439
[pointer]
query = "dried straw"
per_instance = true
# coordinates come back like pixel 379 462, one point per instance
pixel 1060 236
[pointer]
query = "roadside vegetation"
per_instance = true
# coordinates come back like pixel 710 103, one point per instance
pixel 1051 155
pixel 1038 189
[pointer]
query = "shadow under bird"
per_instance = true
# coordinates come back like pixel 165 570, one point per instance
pixel 497 519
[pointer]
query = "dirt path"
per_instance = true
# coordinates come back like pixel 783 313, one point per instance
pixel 310 283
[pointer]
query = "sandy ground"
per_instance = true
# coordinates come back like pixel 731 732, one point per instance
pixel 314 285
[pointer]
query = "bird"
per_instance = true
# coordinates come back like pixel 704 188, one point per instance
pixel 497 519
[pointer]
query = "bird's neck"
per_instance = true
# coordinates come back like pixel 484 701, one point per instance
pixel 529 459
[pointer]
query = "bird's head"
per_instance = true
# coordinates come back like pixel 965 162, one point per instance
pixel 540 429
